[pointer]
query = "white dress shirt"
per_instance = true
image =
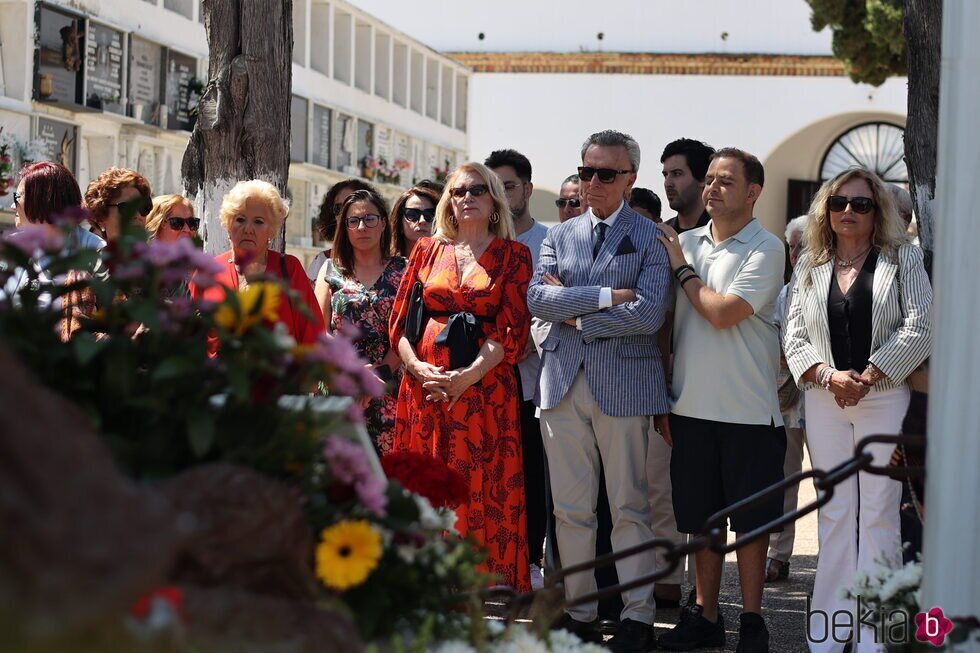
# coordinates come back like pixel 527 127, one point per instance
pixel 605 294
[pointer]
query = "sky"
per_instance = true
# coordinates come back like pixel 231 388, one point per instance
pixel 682 26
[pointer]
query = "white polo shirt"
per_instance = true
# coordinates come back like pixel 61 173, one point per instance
pixel 729 375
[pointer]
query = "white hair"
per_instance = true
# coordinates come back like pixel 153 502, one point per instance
pixel 796 225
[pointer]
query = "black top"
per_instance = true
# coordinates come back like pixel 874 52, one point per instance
pixel 849 317
pixel 675 224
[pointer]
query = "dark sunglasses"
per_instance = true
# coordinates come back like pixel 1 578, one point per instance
pixel 414 215
pixel 177 224
pixel 571 201
pixel 606 175
pixel 370 221
pixel 142 205
pixel 476 190
pixel 16 199
pixel 861 205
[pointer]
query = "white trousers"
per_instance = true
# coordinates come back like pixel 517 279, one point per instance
pixel 576 433
pixel 859 528
pixel 662 521
pixel 781 544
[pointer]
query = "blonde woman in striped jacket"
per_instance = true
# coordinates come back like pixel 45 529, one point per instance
pixel 858 325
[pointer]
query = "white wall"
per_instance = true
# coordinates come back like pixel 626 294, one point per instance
pixel 548 116
pixel 756 26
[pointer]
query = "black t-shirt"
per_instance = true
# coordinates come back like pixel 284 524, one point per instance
pixel 675 225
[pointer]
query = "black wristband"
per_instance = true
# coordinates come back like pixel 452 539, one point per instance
pixel 693 275
pixel 680 270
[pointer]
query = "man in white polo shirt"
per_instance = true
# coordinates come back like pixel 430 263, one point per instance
pixel 725 426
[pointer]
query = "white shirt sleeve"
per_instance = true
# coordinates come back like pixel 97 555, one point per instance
pixel 605 298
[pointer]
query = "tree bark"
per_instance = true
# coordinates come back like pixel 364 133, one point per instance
pixel 923 37
pixel 243 124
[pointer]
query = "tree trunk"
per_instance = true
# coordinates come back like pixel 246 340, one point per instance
pixel 242 130
pixel 923 37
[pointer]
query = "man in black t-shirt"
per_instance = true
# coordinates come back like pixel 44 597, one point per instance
pixel 685 163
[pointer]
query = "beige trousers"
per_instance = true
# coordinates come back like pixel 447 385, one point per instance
pixel 662 521
pixel 576 433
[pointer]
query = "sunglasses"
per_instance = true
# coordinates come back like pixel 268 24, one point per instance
pixel 142 205
pixel 414 215
pixel 861 205
pixel 370 221
pixel 606 175
pixel 476 190
pixel 571 201
pixel 177 224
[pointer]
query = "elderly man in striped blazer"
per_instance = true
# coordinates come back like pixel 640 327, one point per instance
pixel 603 280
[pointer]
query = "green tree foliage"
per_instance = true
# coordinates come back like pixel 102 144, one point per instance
pixel 868 36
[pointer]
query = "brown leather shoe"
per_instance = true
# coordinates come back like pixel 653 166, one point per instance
pixel 776 570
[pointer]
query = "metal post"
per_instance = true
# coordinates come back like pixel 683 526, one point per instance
pixel 952 528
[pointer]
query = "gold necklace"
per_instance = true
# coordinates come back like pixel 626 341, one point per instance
pixel 842 263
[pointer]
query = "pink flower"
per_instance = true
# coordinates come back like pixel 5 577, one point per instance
pixel 343 384
pixel 370 383
pixel 34 238
pixel 355 414
pixel 348 463
pixel 371 492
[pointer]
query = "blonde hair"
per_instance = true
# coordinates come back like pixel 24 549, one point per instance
pixel 234 202
pixel 162 206
pixel 446 226
pixel 887 235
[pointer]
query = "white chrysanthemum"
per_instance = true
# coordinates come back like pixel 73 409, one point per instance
pixel 908 577
pixel 520 640
pixel 407 553
pixel 495 627
pixel 281 336
pixel 455 646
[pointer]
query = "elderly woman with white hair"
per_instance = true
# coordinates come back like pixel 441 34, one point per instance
pixel 252 213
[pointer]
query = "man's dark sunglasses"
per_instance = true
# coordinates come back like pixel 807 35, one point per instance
pixel 414 215
pixel 861 205
pixel 142 205
pixel 177 224
pixel 476 190
pixel 606 175
pixel 571 201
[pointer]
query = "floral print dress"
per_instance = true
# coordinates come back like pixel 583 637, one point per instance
pixel 369 309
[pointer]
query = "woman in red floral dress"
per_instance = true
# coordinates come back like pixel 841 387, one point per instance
pixel 474 279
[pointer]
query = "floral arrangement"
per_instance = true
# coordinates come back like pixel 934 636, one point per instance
pixel 6 163
pixel 369 166
pixel 442 174
pixel 388 174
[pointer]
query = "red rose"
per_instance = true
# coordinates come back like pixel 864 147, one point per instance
pixel 427 476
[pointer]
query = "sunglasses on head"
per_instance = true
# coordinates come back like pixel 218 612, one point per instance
pixel 414 215
pixel 606 175
pixel 570 201
pixel 177 224
pixel 476 190
pixel 141 205
pixel 838 203
pixel 370 221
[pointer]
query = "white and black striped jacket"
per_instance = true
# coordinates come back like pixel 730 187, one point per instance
pixel 901 324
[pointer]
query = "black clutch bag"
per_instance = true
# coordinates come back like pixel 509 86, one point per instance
pixel 415 320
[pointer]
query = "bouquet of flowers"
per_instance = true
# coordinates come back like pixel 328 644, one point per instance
pixel 388 174
pixel 893 595
pixel 442 174
pixel 6 163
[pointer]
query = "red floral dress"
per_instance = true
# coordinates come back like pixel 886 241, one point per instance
pixel 480 436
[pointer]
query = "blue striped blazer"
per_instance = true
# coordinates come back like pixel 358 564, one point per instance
pixel 617 346
pixel 901 325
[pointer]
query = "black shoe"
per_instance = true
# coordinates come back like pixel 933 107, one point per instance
pixel 585 631
pixel 753 636
pixel 688 607
pixel 608 626
pixel 694 631
pixel 632 637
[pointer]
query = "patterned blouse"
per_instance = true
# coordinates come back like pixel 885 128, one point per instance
pixel 369 310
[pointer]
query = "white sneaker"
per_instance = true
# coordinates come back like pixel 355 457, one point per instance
pixel 537 577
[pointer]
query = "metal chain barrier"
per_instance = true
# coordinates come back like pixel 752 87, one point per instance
pixel 547 604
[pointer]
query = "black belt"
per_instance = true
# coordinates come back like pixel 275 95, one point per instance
pixel 462 335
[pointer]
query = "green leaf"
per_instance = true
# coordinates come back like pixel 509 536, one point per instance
pixel 172 368
pixel 200 430
pixel 87 347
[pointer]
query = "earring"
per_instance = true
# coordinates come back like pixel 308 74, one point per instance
pixel 494 217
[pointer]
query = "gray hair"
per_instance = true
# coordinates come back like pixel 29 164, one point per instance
pixel 796 225
pixel 612 138
pixel 571 179
pixel 903 202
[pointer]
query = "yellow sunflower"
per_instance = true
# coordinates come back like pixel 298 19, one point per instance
pixel 257 303
pixel 347 554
